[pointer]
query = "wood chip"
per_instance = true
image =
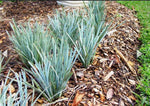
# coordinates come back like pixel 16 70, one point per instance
pixel 121 103
pixel 108 75
pixel 110 93
pixel 80 74
pixel 132 82
pixel 125 60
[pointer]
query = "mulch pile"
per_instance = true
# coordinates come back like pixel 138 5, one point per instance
pixel 111 78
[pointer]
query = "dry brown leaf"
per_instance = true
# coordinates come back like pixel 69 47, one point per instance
pixel 110 93
pixel 78 98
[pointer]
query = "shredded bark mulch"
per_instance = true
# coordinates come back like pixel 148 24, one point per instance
pixel 112 77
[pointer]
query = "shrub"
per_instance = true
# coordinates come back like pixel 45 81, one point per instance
pixel 52 75
pixel 24 39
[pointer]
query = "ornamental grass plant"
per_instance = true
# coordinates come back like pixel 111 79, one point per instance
pixel 51 77
pixel 88 41
pixel 20 98
pixel 25 37
pixel 51 51
pixel 63 23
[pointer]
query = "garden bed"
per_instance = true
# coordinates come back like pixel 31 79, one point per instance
pixel 112 77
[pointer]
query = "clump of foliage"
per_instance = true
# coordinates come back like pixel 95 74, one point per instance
pixel 24 39
pixel 20 98
pixel 63 23
pixel 88 41
pixel 51 52
pixel 51 76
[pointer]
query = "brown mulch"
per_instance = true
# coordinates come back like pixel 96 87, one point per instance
pixel 110 79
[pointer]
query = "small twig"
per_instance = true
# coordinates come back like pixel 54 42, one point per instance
pixel 75 76
pixel 125 60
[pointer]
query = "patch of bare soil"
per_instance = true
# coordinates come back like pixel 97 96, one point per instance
pixel 111 78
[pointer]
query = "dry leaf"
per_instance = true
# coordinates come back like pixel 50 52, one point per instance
pixel 110 93
pixel 78 98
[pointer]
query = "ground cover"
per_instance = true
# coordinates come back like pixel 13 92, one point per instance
pixel 110 79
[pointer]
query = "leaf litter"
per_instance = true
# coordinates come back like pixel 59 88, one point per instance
pixel 110 79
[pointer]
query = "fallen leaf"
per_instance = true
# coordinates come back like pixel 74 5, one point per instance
pixel 110 93
pixel 108 75
pixel 78 98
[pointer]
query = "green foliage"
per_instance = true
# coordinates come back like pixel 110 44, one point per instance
pixel 20 98
pixel 24 39
pixel 1 60
pixel 52 75
pixel 88 41
pixel 142 8
pixel 96 9
pixel 63 23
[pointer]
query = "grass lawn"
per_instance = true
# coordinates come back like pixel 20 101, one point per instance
pixel 143 13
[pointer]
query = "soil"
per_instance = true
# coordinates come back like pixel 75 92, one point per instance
pixel 110 79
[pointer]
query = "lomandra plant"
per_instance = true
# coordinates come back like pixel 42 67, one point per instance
pixel 25 37
pixel 64 22
pixel 51 77
pixel 88 40
pixel 20 98
pixel 96 9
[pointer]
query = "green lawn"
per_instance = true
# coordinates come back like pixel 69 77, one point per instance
pixel 143 13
